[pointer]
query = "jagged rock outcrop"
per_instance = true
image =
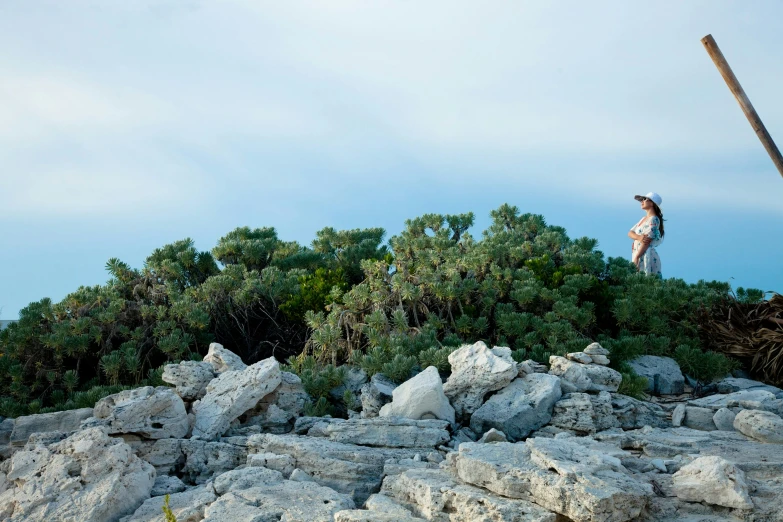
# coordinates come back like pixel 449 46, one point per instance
pixel 475 371
pixel 231 394
pixel 88 477
pixel 557 474
pixel 523 406
pixel 663 374
pixel 421 397
pixel 190 378
pixel 153 413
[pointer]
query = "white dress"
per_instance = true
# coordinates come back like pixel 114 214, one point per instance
pixel 649 262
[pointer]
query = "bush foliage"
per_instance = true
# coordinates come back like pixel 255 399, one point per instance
pixel 349 299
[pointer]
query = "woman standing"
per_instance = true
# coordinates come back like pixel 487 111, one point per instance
pixel 648 234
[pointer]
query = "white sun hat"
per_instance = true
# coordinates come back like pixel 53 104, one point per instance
pixel 652 196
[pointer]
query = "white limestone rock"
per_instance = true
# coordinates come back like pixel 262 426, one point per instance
pixel 283 464
pixel 167 485
pixel 433 494
pixel 523 406
pixel 223 360
pixel 390 432
pixel 560 474
pixel 596 349
pixel 153 413
pixel 763 426
pixel 724 419
pixel 231 394
pixel 187 506
pixel 62 421
pixel 580 357
pixel 663 374
pixel 286 501
pixel 476 371
pixel 190 378
pixel 421 397
pixel 244 478
pixel 583 413
pixel 584 377
pixel 713 480
pixel 88 477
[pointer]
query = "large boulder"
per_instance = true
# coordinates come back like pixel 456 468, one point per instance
pixel 62 421
pixel 713 480
pixel 153 413
pixel 663 374
pixel 223 360
pixel 231 394
pixel 560 475
pixel 390 432
pixel 578 377
pixel 763 426
pixel 88 477
pixel 190 378
pixel 523 406
pixel 475 371
pixel 421 397
pixel 434 494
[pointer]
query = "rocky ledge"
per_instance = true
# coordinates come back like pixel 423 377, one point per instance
pixel 497 441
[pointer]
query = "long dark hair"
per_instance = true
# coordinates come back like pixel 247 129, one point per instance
pixel 658 213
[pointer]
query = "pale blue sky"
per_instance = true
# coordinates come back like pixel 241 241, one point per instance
pixel 128 125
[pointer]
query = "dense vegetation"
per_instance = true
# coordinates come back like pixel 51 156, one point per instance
pixel 348 298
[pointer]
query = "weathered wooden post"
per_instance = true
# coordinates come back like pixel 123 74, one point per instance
pixel 723 66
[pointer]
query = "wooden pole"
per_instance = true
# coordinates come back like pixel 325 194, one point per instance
pixel 723 66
